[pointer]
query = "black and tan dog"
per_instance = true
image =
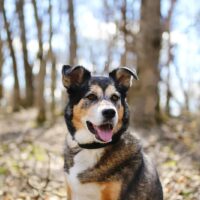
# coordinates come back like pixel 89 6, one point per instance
pixel 103 161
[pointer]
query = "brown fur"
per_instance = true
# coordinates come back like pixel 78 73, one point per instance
pixel 123 77
pixel 75 77
pixel 69 192
pixel 120 111
pixel 78 113
pixel 120 152
pixel 111 190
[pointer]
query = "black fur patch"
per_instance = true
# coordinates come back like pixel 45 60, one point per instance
pixel 101 81
pixel 75 95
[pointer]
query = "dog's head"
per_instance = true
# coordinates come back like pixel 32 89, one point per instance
pixel 97 112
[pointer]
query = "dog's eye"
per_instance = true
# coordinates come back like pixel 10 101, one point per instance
pixel 114 98
pixel 92 97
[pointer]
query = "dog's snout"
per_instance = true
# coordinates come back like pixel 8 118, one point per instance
pixel 108 113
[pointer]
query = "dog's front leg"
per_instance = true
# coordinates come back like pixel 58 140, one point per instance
pixel 68 191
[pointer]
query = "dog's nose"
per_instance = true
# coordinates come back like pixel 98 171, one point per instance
pixel 108 113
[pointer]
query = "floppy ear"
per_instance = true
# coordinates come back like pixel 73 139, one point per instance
pixel 74 76
pixel 123 76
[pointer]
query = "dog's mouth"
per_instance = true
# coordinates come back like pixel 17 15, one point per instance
pixel 103 132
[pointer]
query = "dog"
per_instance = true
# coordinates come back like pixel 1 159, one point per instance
pixel 102 159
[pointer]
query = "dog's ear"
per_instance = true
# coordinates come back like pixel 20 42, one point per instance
pixel 123 76
pixel 74 76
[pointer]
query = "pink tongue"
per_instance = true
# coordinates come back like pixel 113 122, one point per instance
pixel 105 135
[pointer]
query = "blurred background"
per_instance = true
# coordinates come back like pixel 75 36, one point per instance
pixel 159 38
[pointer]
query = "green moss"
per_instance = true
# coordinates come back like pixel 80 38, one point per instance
pixel 38 153
pixel 3 170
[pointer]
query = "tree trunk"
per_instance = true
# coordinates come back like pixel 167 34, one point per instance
pixel 27 67
pixel 124 30
pixel 144 96
pixel 53 62
pixel 169 60
pixel 41 117
pixel 1 67
pixel 53 87
pixel 16 97
pixel 169 56
pixel 73 37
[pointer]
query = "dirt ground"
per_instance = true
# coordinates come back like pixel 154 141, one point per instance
pixel 31 163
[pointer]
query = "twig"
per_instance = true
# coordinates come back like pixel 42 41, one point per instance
pixel 48 172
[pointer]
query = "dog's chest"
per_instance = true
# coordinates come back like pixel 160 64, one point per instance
pixel 84 160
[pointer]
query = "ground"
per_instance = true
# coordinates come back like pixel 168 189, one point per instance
pixel 31 163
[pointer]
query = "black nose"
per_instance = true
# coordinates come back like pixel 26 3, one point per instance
pixel 108 113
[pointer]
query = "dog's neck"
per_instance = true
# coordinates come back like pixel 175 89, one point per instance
pixel 127 143
pixel 94 145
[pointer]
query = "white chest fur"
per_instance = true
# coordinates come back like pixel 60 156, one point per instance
pixel 82 161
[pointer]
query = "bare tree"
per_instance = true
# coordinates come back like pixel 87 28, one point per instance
pixel 170 59
pixel 144 96
pixel 186 92
pixel 169 55
pixel 53 86
pixel 73 36
pixel 27 67
pixel 41 117
pixel 52 59
pixel 1 67
pixel 124 31
pixel 108 15
pixel 16 97
pixel 125 26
